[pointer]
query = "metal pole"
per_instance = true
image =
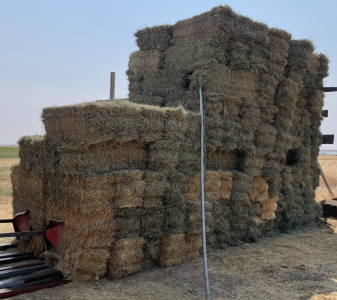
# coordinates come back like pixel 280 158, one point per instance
pixel 203 197
pixel 112 85
pixel 326 180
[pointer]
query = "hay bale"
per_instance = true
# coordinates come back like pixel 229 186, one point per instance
pixel 194 220
pixel 217 185
pixel 212 24
pixel 37 153
pixel 125 257
pixel 112 120
pixel 28 194
pixel 154 38
pixel 140 61
pixel 90 264
pixel 102 157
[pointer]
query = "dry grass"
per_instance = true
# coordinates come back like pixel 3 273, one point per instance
pixel 329 166
pixel 300 265
pixel 6 210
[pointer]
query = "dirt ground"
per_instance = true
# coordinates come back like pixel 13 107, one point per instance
pixel 297 265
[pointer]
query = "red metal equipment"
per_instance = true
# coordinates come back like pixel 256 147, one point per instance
pixel 34 275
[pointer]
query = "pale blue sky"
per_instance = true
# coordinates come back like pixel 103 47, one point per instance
pixel 62 52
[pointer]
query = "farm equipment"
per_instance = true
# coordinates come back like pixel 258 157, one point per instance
pixel 35 275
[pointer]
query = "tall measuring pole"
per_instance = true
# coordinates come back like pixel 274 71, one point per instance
pixel 112 85
pixel 203 197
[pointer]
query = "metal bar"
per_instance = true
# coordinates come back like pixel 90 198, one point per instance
pixel 112 85
pixel 31 287
pixel 330 89
pixel 203 197
pixel 29 278
pixel 22 233
pixel 10 260
pixel 325 180
pixel 7 246
pixel 5 255
pixel 21 266
pixel 6 221
pixel 21 271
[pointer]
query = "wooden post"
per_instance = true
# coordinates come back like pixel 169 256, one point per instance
pixel 112 86
pixel 326 180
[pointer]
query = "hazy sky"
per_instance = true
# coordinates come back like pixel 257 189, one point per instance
pixel 62 52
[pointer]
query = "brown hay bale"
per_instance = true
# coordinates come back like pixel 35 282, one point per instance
pixel 194 221
pixel 172 250
pixel 90 264
pixel 75 190
pixel 119 203
pixel 154 38
pixel 107 156
pixel 259 191
pixel 28 194
pixel 106 120
pixel 91 229
pixel 269 209
pixel 125 257
pixel 217 185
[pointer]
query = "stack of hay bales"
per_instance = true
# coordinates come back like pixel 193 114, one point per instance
pixel 125 176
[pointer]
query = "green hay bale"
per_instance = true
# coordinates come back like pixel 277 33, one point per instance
pixel 266 136
pixel 250 31
pixel 37 153
pixel 217 24
pixel 250 113
pixel 184 56
pixel 140 61
pixel 286 96
pixel 156 184
pixel 128 222
pixel 154 38
pixel 267 113
pixel 152 220
pixel 163 154
pixel 239 56
pixel 175 221
pixel 221 159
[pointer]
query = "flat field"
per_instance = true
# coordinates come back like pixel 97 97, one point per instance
pixel 298 265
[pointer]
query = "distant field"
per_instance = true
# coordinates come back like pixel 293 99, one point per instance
pixel 8 157
pixel 9 152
